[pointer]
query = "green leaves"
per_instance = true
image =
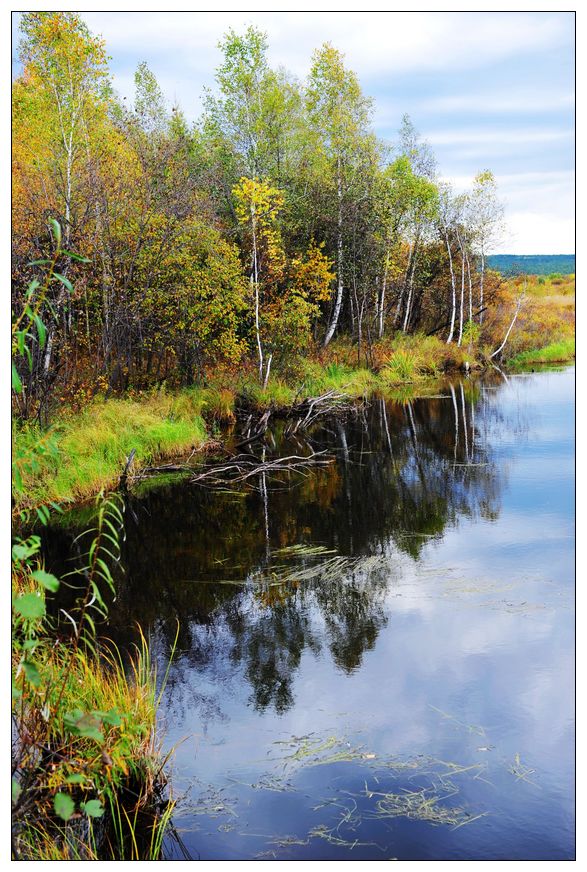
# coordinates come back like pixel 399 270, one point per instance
pixel 55 229
pixel 32 673
pixel 64 806
pixel 93 808
pixel 29 606
pixel 25 549
pixel 16 791
pixel 48 581
pixel 16 382
pixel 64 281
pixel 84 724
pixel 76 257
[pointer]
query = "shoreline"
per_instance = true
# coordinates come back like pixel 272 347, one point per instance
pixel 159 426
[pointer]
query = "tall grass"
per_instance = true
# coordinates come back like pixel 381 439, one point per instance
pixel 86 761
pixel 555 352
pixel 93 444
pixel 122 768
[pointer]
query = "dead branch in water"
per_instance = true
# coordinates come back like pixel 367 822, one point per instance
pixel 240 469
pixel 306 412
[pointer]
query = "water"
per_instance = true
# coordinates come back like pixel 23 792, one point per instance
pixel 408 691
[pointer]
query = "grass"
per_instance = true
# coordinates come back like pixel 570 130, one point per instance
pixel 556 352
pixel 114 760
pixel 92 445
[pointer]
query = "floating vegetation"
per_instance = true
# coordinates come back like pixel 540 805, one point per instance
pixel 419 788
pixel 331 836
pixel 333 569
pixel 521 771
pixel 301 550
pixel 471 728
pixel 423 805
pixel 315 752
pixel 212 802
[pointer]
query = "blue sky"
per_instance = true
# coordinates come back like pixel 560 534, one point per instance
pixel 488 90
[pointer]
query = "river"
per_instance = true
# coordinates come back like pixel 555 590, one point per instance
pixel 375 658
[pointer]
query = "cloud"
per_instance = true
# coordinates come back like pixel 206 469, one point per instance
pixel 539 210
pixel 535 232
pixel 505 138
pixel 500 103
pixel 375 42
pixel 476 69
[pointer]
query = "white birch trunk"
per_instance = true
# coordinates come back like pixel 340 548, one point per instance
pixel 339 263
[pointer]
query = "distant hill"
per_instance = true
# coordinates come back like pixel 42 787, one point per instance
pixel 532 264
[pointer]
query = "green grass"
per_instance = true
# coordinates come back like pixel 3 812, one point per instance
pixel 354 382
pixel 92 445
pixel 276 395
pixel 556 352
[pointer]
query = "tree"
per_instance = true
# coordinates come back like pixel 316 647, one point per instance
pixel 188 296
pixel 66 67
pixel 338 116
pixel 257 208
pixel 447 216
pixel 487 222
pixel 59 117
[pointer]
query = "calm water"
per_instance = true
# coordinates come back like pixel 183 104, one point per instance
pixel 402 686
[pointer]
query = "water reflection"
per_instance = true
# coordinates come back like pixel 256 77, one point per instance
pixel 404 472
pixel 426 570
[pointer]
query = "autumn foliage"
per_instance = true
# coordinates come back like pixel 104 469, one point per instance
pixel 273 224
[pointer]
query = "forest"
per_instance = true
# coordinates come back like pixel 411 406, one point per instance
pixel 275 224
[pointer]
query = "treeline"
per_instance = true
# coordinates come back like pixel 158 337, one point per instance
pixel 275 223
pixel 532 264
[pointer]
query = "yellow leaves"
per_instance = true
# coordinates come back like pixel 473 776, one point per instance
pixel 257 205
pixel 257 201
pixel 313 277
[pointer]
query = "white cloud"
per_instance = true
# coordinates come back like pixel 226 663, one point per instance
pixel 375 42
pixel 500 103
pixel 539 210
pixel 535 232
pixel 497 138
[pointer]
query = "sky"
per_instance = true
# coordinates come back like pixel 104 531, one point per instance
pixel 487 90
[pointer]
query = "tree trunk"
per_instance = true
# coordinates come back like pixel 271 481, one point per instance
pixel 481 286
pixel 461 314
pixel 255 287
pixel 339 261
pixel 411 286
pixel 454 291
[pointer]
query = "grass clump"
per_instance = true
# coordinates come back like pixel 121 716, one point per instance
pixel 277 394
pixel 556 352
pixel 88 779
pixel 320 378
pixel 86 764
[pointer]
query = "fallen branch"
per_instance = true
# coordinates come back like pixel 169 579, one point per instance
pixel 240 468
pixel 244 467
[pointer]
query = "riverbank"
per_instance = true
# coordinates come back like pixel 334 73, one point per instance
pixel 85 451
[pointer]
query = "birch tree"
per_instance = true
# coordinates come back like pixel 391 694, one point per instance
pixel 487 223
pixel 338 115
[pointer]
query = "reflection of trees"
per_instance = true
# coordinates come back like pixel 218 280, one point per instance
pixel 404 472
pixel 270 641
